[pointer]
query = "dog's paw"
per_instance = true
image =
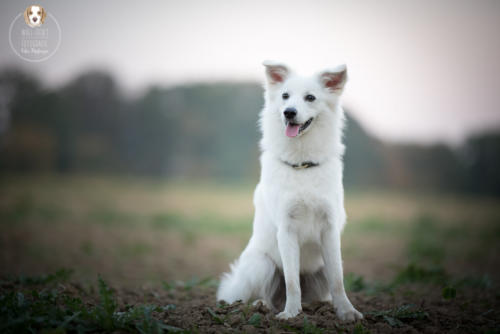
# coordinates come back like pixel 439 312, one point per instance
pixel 287 314
pixel 260 301
pixel 349 314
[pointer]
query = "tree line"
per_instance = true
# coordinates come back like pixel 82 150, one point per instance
pixel 202 131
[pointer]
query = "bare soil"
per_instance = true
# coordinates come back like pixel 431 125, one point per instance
pixel 422 309
pixel 475 313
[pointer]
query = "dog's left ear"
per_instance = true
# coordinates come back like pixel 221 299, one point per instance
pixel 334 80
pixel 44 14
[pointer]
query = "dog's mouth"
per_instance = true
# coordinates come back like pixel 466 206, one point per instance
pixel 293 129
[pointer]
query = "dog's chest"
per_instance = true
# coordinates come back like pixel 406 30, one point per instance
pixel 305 200
pixel 307 216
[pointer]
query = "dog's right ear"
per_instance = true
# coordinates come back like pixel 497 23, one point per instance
pixel 276 73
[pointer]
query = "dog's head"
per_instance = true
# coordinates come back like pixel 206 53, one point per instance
pixel 35 16
pixel 300 100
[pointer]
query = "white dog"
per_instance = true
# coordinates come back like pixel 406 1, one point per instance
pixel 294 251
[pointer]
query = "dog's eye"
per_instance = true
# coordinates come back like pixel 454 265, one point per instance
pixel 309 98
pixel 285 96
pixel 39 12
pixel 30 13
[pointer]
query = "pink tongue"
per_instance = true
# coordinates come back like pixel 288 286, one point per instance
pixel 292 130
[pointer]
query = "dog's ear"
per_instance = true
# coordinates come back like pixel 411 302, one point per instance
pixel 334 80
pixel 26 18
pixel 276 73
pixel 44 14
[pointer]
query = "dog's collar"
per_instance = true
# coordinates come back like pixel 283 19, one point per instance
pixel 303 165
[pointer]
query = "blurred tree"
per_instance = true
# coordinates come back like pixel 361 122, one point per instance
pixel 481 160
pixel 28 143
pixel 200 131
pixel 364 163
pixel 89 121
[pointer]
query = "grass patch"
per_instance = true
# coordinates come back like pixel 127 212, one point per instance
pixel 205 224
pixel 417 274
pixel 87 247
pixel 49 310
pixel 255 319
pixel 109 216
pixel 360 329
pixel 216 318
pixel 397 317
pixel 414 273
pixel 310 328
pixel 307 328
pixel 167 220
pixel 479 282
pixel 188 285
pixel 25 208
pixel 61 275
pixel 449 292
pixel 426 242
pixel 135 249
pixel 373 224
pixel 354 283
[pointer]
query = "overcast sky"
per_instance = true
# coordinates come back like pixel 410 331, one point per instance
pixel 421 71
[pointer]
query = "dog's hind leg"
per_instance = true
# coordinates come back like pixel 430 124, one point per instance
pixel 248 278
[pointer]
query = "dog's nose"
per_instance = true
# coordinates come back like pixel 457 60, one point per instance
pixel 35 19
pixel 290 113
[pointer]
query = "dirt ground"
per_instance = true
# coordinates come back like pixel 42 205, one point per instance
pixel 414 263
pixel 431 314
pixel 412 309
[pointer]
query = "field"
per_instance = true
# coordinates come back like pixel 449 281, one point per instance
pixel 116 254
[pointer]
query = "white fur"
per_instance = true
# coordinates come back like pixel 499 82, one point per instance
pixel 299 214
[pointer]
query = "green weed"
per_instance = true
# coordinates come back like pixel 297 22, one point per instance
pixel 217 319
pixel 191 283
pixel 60 275
pixel 110 216
pixel 25 208
pixel 479 282
pixel 414 273
pixel 135 249
pixel 310 328
pixel 255 319
pixel 49 310
pixel 449 292
pixel 354 283
pixel 307 327
pixel 360 329
pixel 398 316
pixel 426 242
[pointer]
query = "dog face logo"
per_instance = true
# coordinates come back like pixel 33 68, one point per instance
pixel 34 16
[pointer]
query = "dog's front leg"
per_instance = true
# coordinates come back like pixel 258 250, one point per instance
pixel 334 274
pixel 290 257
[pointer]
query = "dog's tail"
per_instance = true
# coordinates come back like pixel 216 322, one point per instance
pixel 256 276
pixel 248 278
